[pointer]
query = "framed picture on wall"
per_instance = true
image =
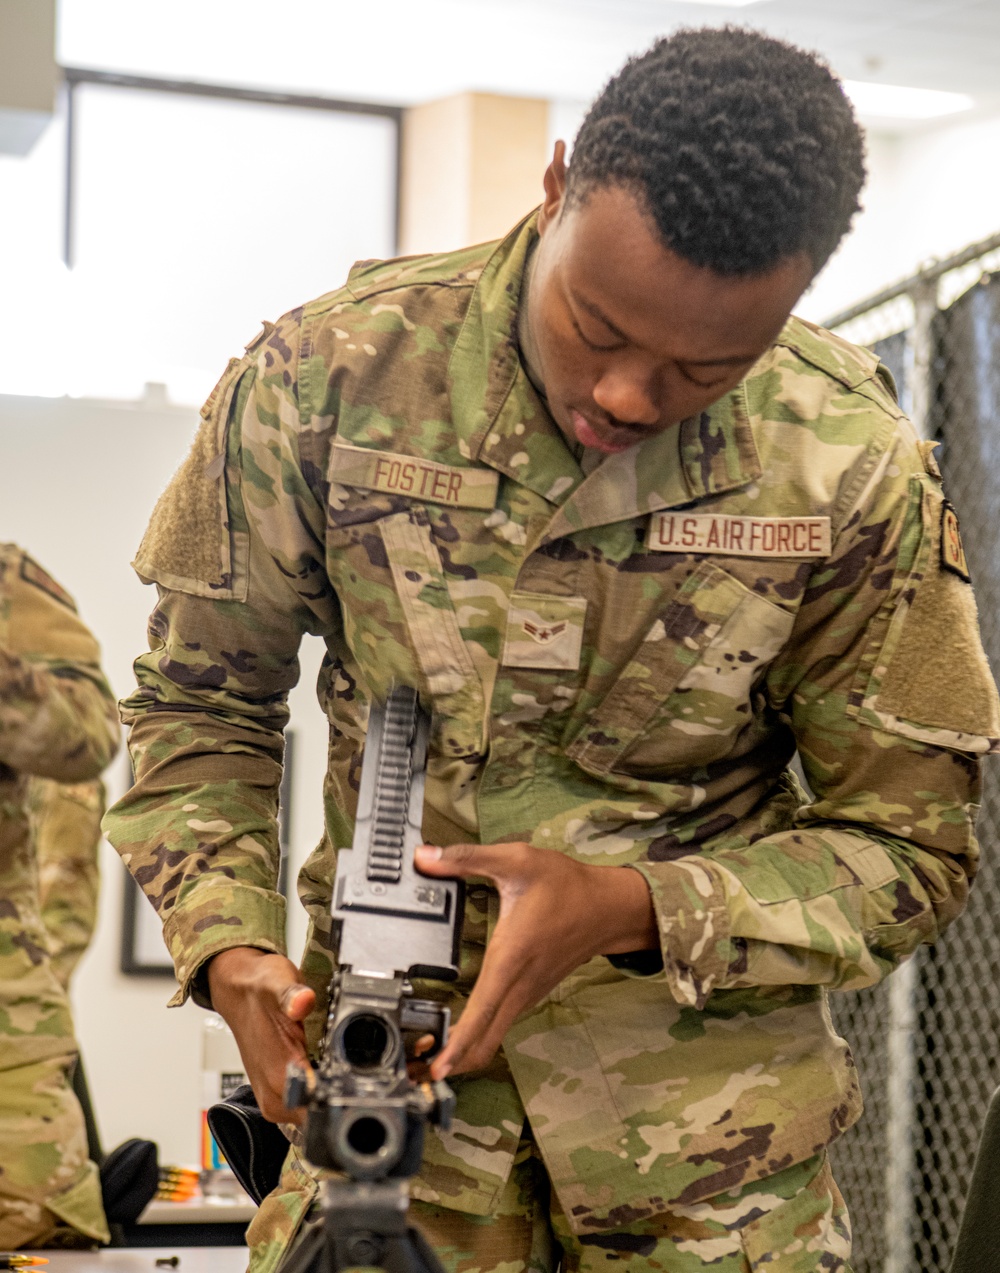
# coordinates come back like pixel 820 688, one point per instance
pixel 144 953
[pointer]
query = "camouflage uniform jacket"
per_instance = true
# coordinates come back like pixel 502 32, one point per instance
pixel 621 665
pixel 66 833
pixel 57 721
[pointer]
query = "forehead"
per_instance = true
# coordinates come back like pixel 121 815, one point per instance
pixel 612 261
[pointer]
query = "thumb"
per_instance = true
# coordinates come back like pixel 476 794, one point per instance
pixel 429 859
pixel 295 1000
pixel 461 861
pixel 455 862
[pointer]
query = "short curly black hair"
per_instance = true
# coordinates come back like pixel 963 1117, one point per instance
pixel 743 149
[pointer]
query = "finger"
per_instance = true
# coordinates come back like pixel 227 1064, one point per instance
pixel 511 980
pixel 500 993
pixel 490 861
pixel 272 1106
pixel 423 1044
pixel 475 1046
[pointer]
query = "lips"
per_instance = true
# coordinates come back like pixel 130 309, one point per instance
pixel 603 438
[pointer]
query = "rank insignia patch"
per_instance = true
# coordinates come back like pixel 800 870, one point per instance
pixel 544 634
pixel 952 552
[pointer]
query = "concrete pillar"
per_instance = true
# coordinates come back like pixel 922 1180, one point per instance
pixel 29 76
pixel 472 166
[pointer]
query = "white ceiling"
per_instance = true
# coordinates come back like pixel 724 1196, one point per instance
pixel 402 51
pixel 945 44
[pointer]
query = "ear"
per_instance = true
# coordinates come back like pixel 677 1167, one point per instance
pixel 554 182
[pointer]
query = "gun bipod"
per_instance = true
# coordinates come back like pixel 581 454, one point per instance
pixel 363 1223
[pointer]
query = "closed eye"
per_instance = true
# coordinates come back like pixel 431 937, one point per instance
pixel 592 344
pixel 742 365
pixel 702 384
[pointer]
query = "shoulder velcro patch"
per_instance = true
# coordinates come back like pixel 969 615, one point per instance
pixel 928 676
pixel 191 544
pixel 31 572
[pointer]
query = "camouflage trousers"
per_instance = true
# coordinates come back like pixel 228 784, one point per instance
pixel 793 1222
pixel 50 1194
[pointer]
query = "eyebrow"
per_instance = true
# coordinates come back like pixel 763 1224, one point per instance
pixel 732 361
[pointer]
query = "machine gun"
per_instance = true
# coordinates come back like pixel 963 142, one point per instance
pixel 365 1117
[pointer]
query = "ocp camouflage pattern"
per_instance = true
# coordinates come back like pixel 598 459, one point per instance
pixel 66 834
pixel 593 695
pixel 58 722
pixel 795 1221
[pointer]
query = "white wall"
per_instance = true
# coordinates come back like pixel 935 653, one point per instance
pixel 188 230
pixel 930 193
pixel 78 479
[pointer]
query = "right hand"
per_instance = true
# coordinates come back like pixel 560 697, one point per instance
pixel 261 999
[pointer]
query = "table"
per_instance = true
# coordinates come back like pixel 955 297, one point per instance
pixel 193 1259
pixel 200 1211
pixel 198 1222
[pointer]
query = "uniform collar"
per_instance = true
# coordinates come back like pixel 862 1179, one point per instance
pixel 703 456
pixel 495 408
pixel 506 424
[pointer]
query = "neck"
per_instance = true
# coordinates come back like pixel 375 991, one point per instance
pixel 525 339
pixel 529 355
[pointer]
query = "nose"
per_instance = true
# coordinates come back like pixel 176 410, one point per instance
pixel 627 396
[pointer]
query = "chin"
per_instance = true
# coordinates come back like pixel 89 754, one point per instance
pixel 564 423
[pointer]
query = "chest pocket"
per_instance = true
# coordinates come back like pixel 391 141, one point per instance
pixel 685 695
pixel 449 677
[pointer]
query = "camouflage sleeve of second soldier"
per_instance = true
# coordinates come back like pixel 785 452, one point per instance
pixel 232 546
pixel 66 832
pixel 889 694
pixel 57 714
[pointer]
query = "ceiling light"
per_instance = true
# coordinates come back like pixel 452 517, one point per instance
pixel 891 101
pixel 729 4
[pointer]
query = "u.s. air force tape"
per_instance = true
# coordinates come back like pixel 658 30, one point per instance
pixel 739 536
pixel 417 478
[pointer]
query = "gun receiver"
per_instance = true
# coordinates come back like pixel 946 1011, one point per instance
pixel 366 1117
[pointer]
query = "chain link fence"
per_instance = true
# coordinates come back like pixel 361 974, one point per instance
pixel 927 1042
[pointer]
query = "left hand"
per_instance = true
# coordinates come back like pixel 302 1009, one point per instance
pixel 555 914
